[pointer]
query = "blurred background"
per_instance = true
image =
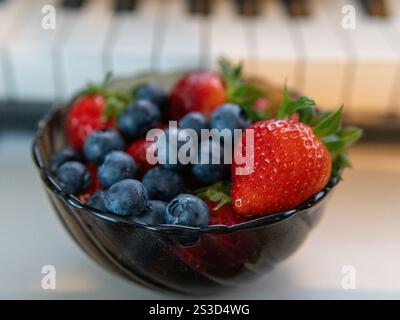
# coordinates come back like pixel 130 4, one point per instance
pixel 336 51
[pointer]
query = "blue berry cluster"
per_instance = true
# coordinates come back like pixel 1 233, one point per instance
pixel 159 196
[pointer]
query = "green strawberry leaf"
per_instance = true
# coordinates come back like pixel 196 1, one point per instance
pixel 340 141
pixel 114 108
pixel 300 104
pixel 90 90
pixel 116 101
pixel 285 103
pixel 340 161
pixel 241 92
pixel 307 114
pixel 95 88
pixel 318 116
pixel 245 95
pixel 218 192
pixel 333 143
pixel 230 73
pixel 329 124
pixel 303 105
pixel 338 144
pixel 350 135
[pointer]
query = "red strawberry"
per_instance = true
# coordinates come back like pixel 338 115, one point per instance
pixel 94 184
pixel 222 255
pixel 215 255
pixel 290 165
pixel 200 91
pixel 84 197
pixel 86 116
pixel 138 150
pixel 224 215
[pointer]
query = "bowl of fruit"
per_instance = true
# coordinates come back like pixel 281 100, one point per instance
pixel 192 182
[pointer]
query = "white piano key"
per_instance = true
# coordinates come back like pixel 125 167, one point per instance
pixel 31 55
pixel 9 11
pixel 182 46
pixel 326 57
pixel 275 56
pixel 375 64
pixel 130 50
pixel 81 44
pixel 228 35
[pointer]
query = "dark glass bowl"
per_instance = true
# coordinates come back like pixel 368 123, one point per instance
pixel 181 259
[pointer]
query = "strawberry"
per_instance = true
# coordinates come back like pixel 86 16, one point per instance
pixel 290 165
pixel 219 202
pixel 204 91
pixel 94 184
pixel 294 154
pixel 223 214
pixel 222 255
pixel 213 256
pixel 292 157
pixel 85 117
pixel 94 108
pixel 137 150
pixel 196 91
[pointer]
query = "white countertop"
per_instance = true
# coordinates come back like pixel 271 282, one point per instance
pixel 361 227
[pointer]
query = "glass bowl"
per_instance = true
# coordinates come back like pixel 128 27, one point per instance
pixel 176 258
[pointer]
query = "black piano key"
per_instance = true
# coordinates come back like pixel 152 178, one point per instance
pixel 202 7
pixel 72 3
pixel 375 8
pixel 124 5
pixel 297 8
pixel 248 7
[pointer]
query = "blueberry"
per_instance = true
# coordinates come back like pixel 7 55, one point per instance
pixel 215 170
pixel 97 200
pixel 195 121
pixel 229 116
pixel 126 197
pixel 138 118
pixel 63 155
pixel 154 213
pixel 187 210
pixel 153 93
pixel 168 154
pixel 162 184
pixel 117 166
pixel 100 143
pixel 73 177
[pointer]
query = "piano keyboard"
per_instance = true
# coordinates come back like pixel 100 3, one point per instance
pixel 300 41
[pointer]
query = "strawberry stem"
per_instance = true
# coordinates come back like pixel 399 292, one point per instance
pixel 241 92
pixel 303 105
